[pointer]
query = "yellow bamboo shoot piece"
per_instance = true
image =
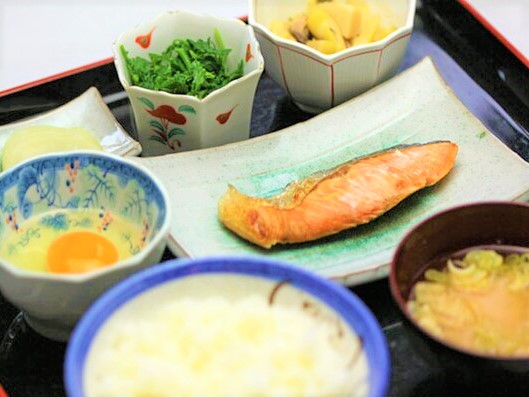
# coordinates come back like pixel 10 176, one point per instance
pixel 382 31
pixel 323 27
pixel 280 28
pixel 325 46
pixel 357 3
pixel 368 26
pixel 346 16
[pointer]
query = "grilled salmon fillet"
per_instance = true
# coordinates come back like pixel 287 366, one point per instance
pixel 328 202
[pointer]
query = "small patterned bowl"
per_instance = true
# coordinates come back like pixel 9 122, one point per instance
pixel 315 81
pixel 169 123
pixel 51 190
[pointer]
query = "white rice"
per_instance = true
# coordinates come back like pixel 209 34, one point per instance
pixel 213 347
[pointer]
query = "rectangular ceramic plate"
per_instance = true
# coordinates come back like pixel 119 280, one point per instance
pixel 415 107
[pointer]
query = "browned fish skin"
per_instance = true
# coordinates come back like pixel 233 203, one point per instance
pixel 349 195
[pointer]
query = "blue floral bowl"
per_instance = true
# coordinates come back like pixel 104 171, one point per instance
pixel 94 195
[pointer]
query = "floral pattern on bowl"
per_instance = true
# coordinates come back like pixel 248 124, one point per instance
pixel 164 116
pixel 171 123
pixel 80 182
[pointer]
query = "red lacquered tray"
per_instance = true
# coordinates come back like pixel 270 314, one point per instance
pixel 516 38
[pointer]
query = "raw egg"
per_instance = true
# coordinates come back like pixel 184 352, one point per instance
pixel 80 252
pixel 72 241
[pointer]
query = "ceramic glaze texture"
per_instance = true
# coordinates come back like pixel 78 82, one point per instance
pixel 55 188
pixel 170 123
pixel 315 81
pixel 88 111
pixel 264 166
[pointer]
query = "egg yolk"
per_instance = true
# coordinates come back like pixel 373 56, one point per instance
pixel 80 252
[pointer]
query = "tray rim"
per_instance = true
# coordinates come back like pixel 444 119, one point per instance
pixel 69 72
pixel 490 27
pixel 396 386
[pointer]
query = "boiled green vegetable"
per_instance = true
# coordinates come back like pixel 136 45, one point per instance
pixel 189 67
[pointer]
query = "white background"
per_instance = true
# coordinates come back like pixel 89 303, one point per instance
pixel 40 38
pixel 510 18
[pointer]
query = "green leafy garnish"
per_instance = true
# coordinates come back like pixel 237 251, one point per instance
pixel 189 67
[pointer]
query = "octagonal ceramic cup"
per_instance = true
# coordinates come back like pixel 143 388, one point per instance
pixel 315 81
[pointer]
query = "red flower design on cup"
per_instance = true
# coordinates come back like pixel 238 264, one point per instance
pixel 166 115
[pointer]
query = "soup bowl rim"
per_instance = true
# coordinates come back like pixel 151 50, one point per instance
pixel 402 303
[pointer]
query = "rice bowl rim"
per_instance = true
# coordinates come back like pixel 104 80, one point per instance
pixel 346 304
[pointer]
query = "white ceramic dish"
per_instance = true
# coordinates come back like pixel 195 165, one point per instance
pixel 316 81
pixel 169 123
pixel 426 110
pixel 88 111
